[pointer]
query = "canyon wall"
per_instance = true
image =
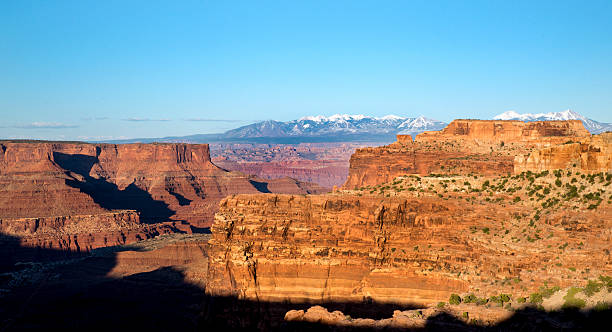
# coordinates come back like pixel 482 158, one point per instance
pixel 589 155
pixel 323 163
pixel 330 248
pixel 77 196
pixel 407 246
pixel 498 131
pixel 486 147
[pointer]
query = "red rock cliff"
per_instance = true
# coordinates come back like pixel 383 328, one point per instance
pixel 486 147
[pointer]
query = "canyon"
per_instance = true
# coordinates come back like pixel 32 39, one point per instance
pixel 325 164
pixel 479 211
pixel 480 207
pixel 77 196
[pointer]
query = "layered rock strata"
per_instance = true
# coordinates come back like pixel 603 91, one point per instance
pixel 78 196
pixel 486 147
pixel 416 240
pixel 590 155
pixel 329 248
pixel 161 181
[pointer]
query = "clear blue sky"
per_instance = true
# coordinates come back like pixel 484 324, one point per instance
pixel 111 69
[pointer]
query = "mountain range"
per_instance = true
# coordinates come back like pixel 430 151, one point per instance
pixel 335 128
pixel 345 128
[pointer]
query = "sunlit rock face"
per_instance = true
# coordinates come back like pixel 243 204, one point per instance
pixel 486 147
pixel 329 248
pixel 78 196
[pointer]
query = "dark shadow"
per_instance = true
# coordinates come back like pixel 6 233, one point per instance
pixel 108 195
pixel 226 313
pixel 260 186
pixel 200 230
pixel 78 295
pixel 182 200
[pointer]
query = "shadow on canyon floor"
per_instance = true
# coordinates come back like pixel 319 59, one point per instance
pixel 260 186
pixel 74 292
pixel 109 196
pixel 77 294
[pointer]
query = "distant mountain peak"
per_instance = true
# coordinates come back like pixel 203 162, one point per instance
pixel 322 126
pixel 591 125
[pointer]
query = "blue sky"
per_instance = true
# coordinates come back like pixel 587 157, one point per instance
pixel 110 69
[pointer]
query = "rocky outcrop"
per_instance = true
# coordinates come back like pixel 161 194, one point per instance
pixel 485 147
pixel 593 154
pixel 498 131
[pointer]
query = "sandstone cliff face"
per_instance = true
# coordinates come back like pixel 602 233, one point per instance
pixel 33 185
pixel 416 240
pixel 77 196
pixel 329 248
pixel 591 155
pixel 161 181
pixel 485 147
pixel 508 131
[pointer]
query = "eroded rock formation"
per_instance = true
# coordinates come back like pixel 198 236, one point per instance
pixel 593 154
pixel 486 147
pixel 328 248
pixel 80 196
pixel 416 240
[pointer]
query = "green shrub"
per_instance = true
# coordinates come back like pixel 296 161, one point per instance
pixel 535 298
pixel 607 281
pixel 592 287
pixel 441 304
pixel 481 301
pixel 602 306
pixel 571 302
pixel 454 299
pixel 465 315
pixel 548 292
pixel 521 300
pixel 470 298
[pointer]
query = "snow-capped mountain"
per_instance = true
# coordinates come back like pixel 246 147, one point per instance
pixel 591 125
pixel 338 124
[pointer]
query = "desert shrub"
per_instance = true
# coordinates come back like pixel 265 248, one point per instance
pixel 485 230
pixel 454 299
pixel 607 282
pixel 592 287
pixel 521 300
pixel 571 302
pixel 548 292
pixel 470 298
pixel 535 298
pixel 465 315
pixel 441 305
pixel 481 301
pixel 516 199
pixel 602 306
